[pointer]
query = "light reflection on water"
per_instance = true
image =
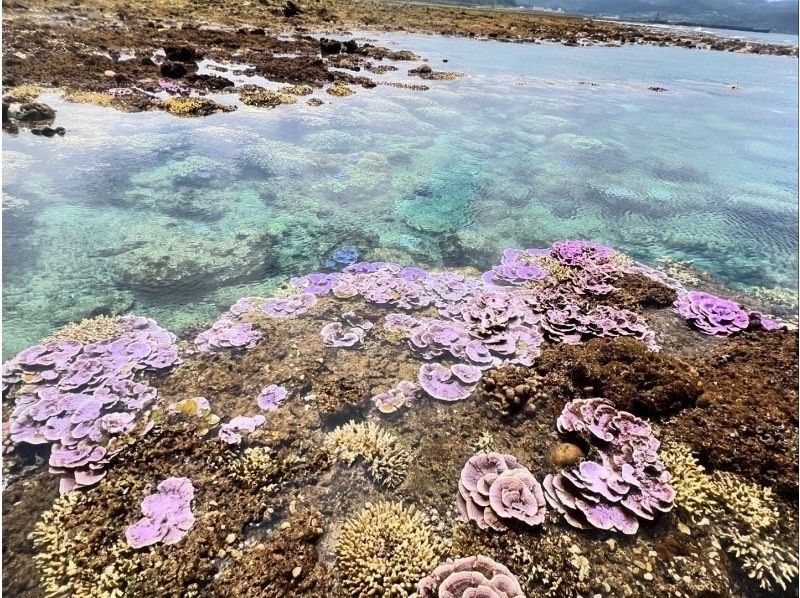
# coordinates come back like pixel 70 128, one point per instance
pixel 176 218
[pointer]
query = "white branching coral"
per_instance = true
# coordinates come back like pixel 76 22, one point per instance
pixel 61 549
pixel 746 516
pixel 384 455
pixel 385 549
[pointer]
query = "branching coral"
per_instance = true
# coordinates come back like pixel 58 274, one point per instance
pixel 256 465
pixel 385 550
pixel 61 573
pixel 745 515
pixel 386 459
pixel 89 330
pixel 473 576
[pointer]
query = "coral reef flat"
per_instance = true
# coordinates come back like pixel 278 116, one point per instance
pixel 344 472
pixel 354 298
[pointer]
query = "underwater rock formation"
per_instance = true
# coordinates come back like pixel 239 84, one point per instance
pixel 83 398
pixel 385 549
pixel 167 515
pixel 495 489
pixel 625 372
pixel 472 576
pixel 627 484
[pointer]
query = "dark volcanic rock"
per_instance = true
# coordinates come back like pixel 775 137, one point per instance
pixel 33 112
pixel 329 46
pixel 291 9
pixel 182 53
pixel 173 70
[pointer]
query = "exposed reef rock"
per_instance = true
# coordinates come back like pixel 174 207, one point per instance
pixel 751 401
pixel 623 371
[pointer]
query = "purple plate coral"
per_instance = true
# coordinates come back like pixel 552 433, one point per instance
pixel 167 515
pixel 232 432
pixel 495 489
pixel 625 484
pixel 711 314
pixel 271 396
pixel 395 398
pixel 287 307
pixel 335 334
pixel 455 383
pixel 82 398
pixel 470 577
pixel 227 334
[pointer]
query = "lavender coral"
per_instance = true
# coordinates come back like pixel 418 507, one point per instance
pixel 470 577
pixel 82 398
pixel 336 335
pixel 287 307
pixel 227 334
pixel 518 267
pixel 581 253
pixel 449 384
pixel 317 283
pixel 711 314
pixel 495 489
pixel 233 431
pixel 627 483
pixel 271 396
pixel 395 398
pixel 167 515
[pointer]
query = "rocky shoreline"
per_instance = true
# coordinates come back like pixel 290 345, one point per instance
pixel 143 56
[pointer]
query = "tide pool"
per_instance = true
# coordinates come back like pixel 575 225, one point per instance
pixel 177 218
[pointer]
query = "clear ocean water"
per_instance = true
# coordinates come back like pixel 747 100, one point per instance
pixel 176 218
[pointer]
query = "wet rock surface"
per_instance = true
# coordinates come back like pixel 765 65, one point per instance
pixel 91 52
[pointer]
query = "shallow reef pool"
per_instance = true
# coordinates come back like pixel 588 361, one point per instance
pixel 177 218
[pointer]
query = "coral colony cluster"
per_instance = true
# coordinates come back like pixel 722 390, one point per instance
pixel 83 398
pixel 626 483
pixel 395 398
pixel 88 398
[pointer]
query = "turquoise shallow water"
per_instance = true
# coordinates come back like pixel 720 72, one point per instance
pixel 176 218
